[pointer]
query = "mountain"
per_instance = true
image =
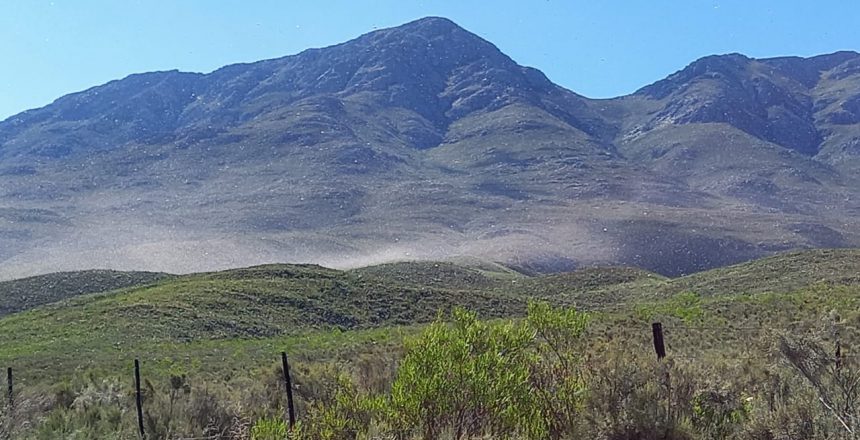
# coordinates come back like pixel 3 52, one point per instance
pixel 425 141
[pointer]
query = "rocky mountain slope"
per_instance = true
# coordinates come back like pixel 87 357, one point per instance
pixel 426 142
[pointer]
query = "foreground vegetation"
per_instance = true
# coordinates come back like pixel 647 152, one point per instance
pixel 446 351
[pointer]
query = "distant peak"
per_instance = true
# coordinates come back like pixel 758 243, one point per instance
pixel 723 65
pixel 808 70
pixel 432 20
pixel 831 60
pixel 838 56
pixel 439 23
pixel 717 63
pixel 451 41
pixel 430 27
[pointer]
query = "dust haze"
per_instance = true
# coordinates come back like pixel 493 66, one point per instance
pixel 136 246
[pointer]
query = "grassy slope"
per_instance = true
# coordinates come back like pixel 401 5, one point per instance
pixel 27 293
pixel 234 320
pixel 781 273
pixel 223 316
pixel 733 314
pixel 465 275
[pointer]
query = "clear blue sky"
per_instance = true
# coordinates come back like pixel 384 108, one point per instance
pixel 596 48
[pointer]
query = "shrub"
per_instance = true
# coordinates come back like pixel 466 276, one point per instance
pixel 269 429
pixel 632 396
pixel 501 378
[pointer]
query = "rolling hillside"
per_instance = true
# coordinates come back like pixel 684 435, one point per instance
pixel 238 318
pixel 27 293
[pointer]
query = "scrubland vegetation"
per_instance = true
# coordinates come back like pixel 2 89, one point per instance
pixel 743 361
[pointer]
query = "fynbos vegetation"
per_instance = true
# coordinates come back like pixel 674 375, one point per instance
pixel 744 359
pixel 462 377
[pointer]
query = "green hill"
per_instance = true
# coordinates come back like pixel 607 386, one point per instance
pixel 183 315
pixel 225 330
pixel 239 318
pixel 27 293
pixel 467 275
pixel 779 273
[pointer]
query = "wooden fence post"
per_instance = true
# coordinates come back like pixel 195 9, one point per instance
pixel 288 383
pixel 660 348
pixel 9 386
pixel 838 355
pixel 657 330
pixel 138 397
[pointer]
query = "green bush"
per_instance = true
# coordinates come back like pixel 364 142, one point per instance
pixel 269 429
pixel 498 378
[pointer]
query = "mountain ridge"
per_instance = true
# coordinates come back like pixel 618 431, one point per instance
pixel 427 141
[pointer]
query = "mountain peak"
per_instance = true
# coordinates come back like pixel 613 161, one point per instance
pixel 778 100
pixel 825 61
pixel 430 66
pixel 736 66
pixel 712 66
pixel 427 32
pixel 430 24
